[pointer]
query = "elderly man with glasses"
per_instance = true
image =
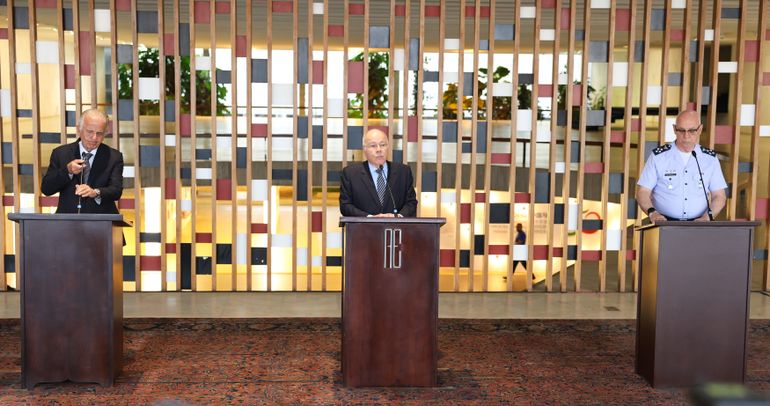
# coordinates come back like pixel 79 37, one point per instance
pixel 677 176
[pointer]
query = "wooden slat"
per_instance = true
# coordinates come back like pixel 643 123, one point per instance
pixel 325 156
pixel 490 128
pixel 113 71
pixel 684 94
pixel 193 143
pixel 550 231
pixel 710 127
pixel 15 136
pixel 309 158
pixel 418 102
pixel 214 171
pixel 533 149
pixel 474 132
pixel 92 77
pixel 405 81
pixel 249 134
pixel 76 41
pixel 178 144
pixel 295 149
pixel 514 120
pixel 459 139
pixel 664 76
pixel 735 157
pixel 36 177
pixel 162 142
pixel 582 151
pixel 235 224
pixel 137 140
pixel 699 66
pixel 268 202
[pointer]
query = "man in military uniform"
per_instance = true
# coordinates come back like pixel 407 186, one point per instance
pixel 670 187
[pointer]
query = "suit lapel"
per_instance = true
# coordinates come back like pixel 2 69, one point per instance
pixel 100 162
pixel 366 176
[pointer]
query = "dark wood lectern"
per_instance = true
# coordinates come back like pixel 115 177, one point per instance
pixel 390 301
pixel 693 302
pixel 71 284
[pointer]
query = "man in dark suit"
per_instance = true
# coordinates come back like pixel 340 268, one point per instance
pixel 87 174
pixel 376 187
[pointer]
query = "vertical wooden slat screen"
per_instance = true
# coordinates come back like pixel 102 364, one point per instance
pixel 694 53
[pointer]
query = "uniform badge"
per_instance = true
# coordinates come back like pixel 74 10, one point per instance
pixel 661 149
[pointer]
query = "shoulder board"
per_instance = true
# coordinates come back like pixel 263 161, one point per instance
pixel 661 149
pixel 708 151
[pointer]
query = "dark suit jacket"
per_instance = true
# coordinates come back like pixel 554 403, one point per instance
pixel 358 194
pixel 106 175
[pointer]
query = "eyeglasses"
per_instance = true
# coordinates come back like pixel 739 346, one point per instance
pixel 382 145
pixel 689 131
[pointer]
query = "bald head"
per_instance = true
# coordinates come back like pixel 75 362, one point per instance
pixel 376 146
pixel 687 129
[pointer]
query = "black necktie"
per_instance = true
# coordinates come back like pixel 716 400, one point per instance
pixel 381 185
pixel 87 168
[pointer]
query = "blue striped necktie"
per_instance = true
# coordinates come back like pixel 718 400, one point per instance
pixel 381 185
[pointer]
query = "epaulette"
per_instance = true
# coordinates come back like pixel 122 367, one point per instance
pixel 661 149
pixel 708 151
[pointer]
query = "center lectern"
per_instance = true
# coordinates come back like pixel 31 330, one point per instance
pixel 693 302
pixel 390 301
pixel 71 281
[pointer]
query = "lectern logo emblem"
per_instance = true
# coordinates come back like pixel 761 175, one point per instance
pixel 392 249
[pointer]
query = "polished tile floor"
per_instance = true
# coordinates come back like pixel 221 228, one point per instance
pixel 327 304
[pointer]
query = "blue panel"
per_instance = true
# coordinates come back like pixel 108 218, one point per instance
pixel 648 147
pixel 592 224
pixel 21 18
pixel 705 95
pixel 481 137
pixel 379 37
pixel 301 185
pixel 224 76
pixel 259 70
pixel 185 173
pixel 203 154
pixel 149 156
pixel 449 132
pixel 302 127
pixel 616 183
pixel 595 118
pixel 302 60
pixel 67 19
pixel 760 254
pixel 26 113
pixel 598 51
pixel 631 213
pixel 467 148
pixel 499 213
pixel 240 157
pixel 694 51
pixel 732 13
pixel 184 39
pixel 575 152
pixel 430 76
pixel 465 258
pixel 7 152
pixel 484 45
pixel 318 137
pixel 125 109
pixel 224 254
pixel 504 32
pixel 333 261
pixel 125 53
pixel 203 265
pixel 282 174
pixel 355 137
pixel 129 268
pixel 258 255
pixel 572 252
pixel 10 263
pixel 639 51
pixel 149 237
pixel 558 213
pixel 561 118
pixel 744 167
pixel 49 138
pixel 542 187
pixel 674 79
pixel 25 169
pixel 414 54
pixel 333 177
pixel 580 35
pixel 170 113
pixel 478 245
pixel 428 181
pixel 526 78
pixel 147 22
pixel 468 84
pixel 185 259
pixel 658 20
pixel 71 119
pixel 398 156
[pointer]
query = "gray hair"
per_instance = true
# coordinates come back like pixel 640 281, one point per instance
pixel 95 113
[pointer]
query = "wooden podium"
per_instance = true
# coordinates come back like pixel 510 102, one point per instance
pixel 71 281
pixel 390 301
pixel 693 302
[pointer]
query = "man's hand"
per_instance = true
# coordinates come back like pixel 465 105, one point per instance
pixel 84 190
pixel 655 217
pixel 76 166
pixel 384 215
pixel 704 217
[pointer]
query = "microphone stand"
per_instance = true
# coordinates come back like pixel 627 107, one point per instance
pixel 703 186
pixel 387 187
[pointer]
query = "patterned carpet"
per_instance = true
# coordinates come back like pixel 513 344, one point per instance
pixel 296 361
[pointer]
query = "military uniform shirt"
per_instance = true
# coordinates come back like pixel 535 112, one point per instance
pixel 676 188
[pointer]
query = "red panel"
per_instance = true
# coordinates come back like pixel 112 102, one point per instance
pixel 222 7
pixel 126 204
pixel 465 213
pixel 356 9
pixel 336 30
pixel 317 226
pixel 203 237
pixel 577 95
pixel 412 126
pixel 623 20
pixel 498 249
pixel 592 255
pixel 224 189
pixel 447 258
pixel 564 24
pixel 761 208
pixel 470 11
pixel 480 197
pixel 545 90
pixel 677 35
pixel 49 201
pixel 617 136
pixel 724 134
pixel 168 44
pixel 540 252
pixel 45 3
pixel 7 200
pixel 123 5
pixel 630 255
pixel 85 52
pixel 318 72
pixel 259 228
pixel 501 159
pixel 521 197
pixel 149 263
pixel 170 248
pixel 432 11
pixel 185 125
pixel 283 7
pixel 594 167
pixel 202 12
pixel 170 188
pixel 751 51
pixel 241 46
pixel 548 3
pixel 3 33
pixel 259 130
pixel 767 35
pixel 400 10
pixel 69 76
pixel 558 252
pixel 765 78
pixel 355 77
pixel 636 124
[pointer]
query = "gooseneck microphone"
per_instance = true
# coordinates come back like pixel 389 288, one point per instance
pixel 703 185
pixel 390 192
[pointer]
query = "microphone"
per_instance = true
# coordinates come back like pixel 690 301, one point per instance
pixel 387 187
pixel 703 185
pixel 85 157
